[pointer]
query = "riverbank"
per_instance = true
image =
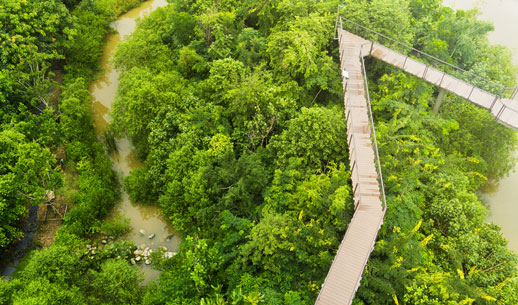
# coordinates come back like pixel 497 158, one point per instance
pixel 149 229
pixel 502 198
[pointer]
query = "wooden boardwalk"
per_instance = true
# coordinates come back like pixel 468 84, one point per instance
pixel 344 276
pixel 504 110
pixel 345 273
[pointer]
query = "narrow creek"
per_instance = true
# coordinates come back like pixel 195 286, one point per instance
pixel 502 198
pixel 149 229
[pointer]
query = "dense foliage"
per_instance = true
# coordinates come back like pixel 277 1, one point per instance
pixel 238 116
pixel 46 126
pixel 236 108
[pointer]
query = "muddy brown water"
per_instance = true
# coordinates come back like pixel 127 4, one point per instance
pixel 145 218
pixel 502 198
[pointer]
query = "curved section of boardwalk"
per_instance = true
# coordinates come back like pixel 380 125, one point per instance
pixel 346 271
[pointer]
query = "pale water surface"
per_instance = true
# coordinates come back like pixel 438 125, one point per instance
pixel 502 13
pixel 143 217
pixel 503 199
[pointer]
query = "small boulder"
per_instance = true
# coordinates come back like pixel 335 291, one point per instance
pixel 132 261
pixel 151 236
pixel 142 232
pixel 148 261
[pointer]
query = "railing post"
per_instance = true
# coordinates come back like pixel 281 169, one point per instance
pixel 425 72
pixel 404 64
pixel 472 89
pixel 442 78
pixel 501 111
pixel 372 46
pixel 336 23
pixel 502 92
pixel 493 104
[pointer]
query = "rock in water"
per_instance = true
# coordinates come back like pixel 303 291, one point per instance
pixel 142 232
pixel 148 262
pixel 151 236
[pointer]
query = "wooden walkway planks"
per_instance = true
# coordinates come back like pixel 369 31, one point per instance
pixel 344 276
pixel 346 271
pixel 504 110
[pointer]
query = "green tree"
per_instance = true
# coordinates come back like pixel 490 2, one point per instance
pixel 142 95
pixel 116 283
pixel 42 291
pixel 26 171
pixel 296 50
pixel 316 136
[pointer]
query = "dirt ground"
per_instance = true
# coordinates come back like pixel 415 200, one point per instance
pixel 48 228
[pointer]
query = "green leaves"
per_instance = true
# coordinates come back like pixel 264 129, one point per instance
pixel 117 283
pixel 142 95
pixel 26 172
pixel 226 101
pixel 296 51
pixel 316 136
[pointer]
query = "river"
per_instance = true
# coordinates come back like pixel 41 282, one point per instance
pixel 145 220
pixel 503 198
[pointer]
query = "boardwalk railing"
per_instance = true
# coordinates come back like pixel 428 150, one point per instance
pixel 351 140
pixel 433 61
pixel 374 141
pixel 499 100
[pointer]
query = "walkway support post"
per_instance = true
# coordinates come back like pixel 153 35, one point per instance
pixel 438 102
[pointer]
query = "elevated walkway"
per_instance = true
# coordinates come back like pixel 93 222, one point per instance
pixel 505 110
pixel 345 273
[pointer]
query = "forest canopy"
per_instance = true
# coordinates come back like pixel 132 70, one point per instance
pixel 236 109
